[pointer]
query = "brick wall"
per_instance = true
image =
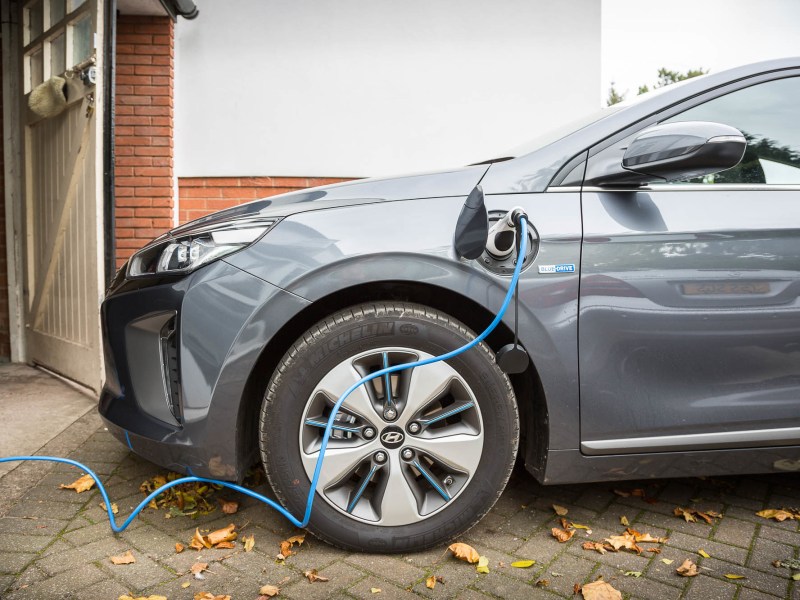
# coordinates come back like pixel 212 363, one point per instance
pixel 5 343
pixel 198 196
pixel 144 122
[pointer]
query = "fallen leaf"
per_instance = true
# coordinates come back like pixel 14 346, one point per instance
pixel 625 540
pixel 636 574
pixel 579 526
pixel 690 515
pixel 597 546
pixel 779 515
pixel 225 545
pixel 81 484
pixel 123 559
pixel 789 563
pixel 600 590
pixel 483 565
pixel 199 541
pixel 313 576
pixel 523 564
pixel 654 550
pixel 186 584
pixel 686 514
pixel 179 548
pixel 687 569
pixel 796 576
pixel 667 561
pixel 576 589
pixel 703 553
pixel 114 507
pixel 562 535
pixel 286 545
pixel 249 542
pixel 560 510
pixel 210 596
pixel 198 567
pixel 542 582
pixel 229 507
pixel 564 523
pixel 624 520
pixel 375 590
pixel 430 582
pixel 464 552
pixel 226 534
pixel 732 576
pixel 269 590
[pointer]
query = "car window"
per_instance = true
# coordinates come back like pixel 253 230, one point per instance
pixel 768 114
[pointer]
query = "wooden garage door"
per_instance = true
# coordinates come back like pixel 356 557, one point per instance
pixel 63 212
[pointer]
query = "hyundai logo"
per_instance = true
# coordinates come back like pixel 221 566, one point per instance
pixel 392 437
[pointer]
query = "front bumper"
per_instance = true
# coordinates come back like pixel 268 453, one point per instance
pixel 179 360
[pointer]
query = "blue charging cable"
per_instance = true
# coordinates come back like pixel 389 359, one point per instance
pixel 318 468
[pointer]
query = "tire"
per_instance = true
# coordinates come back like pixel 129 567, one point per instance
pixel 459 410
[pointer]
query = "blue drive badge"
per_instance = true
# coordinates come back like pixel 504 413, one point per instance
pixel 566 268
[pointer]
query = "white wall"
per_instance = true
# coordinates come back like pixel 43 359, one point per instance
pixel 372 87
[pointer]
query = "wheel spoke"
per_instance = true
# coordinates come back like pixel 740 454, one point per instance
pixel 336 382
pixel 461 451
pixel 397 505
pixel 426 383
pixel 337 462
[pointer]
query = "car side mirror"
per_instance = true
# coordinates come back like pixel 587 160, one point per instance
pixel 676 151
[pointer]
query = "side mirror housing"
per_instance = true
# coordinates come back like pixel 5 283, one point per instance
pixel 676 151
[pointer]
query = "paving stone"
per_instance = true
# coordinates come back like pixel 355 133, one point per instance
pixel 528 521
pixel 763 582
pixel 495 532
pixel 457 575
pixel 100 550
pixel 217 580
pixel 765 552
pixel 138 576
pixel 363 589
pixel 673 523
pixel 638 586
pixel 506 587
pixel 13 542
pixel 42 509
pixel 74 580
pixel 150 541
pixel 734 531
pixel 595 498
pixel 708 588
pixel 748 594
pixel 543 548
pixel 88 533
pixel 665 573
pixel 571 570
pixel 14 562
pixel 394 568
pixel 341 576
pixel 255 562
pixel 108 589
pixel 693 544
pixel 44 527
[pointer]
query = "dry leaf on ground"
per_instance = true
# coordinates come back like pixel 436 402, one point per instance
pixel 269 590
pixel 313 576
pixel 562 535
pixel 229 507
pixel 483 565
pixel 225 545
pixel 703 553
pixel 778 514
pixel 198 567
pixel 179 547
pixel 667 561
pixel 596 546
pixel 210 596
pixel 286 545
pixel 199 541
pixel 690 514
pixel 542 582
pixel 600 590
pixel 186 584
pixel 249 542
pixel 226 534
pixel 80 485
pixel 687 569
pixel 430 582
pixel 114 507
pixel 624 520
pixel 464 552
pixel 731 576
pixel 560 510
pixel 375 590
pixel 123 559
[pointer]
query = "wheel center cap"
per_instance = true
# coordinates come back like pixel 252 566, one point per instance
pixel 392 437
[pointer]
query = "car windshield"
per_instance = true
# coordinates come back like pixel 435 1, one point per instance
pixel 557 133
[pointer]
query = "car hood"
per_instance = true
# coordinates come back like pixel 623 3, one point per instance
pixel 456 182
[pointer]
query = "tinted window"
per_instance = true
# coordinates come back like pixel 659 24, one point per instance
pixel 768 114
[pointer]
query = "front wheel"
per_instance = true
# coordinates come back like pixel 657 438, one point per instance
pixel 416 457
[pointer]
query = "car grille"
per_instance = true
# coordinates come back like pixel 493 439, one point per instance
pixel 171 368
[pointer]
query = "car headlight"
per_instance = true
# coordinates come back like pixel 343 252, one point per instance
pixel 183 254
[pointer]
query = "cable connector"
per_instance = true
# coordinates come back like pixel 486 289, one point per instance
pixel 500 241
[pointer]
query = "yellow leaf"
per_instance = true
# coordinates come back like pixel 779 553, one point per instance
pixel 561 534
pixel 430 582
pixel 185 584
pixel 560 510
pixel 667 561
pixel 687 569
pixel 483 565
pixel 464 552
pixel 579 526
pixel 114 507
pixel 123 559
pixel 770 513
pixel 636 574
pixel 375 590
pixel 269 590
pixel 624 520
pixel 796 576
pixel 80 485
pixel 249 542
pixel 600 590
pixel 523 564
pixel 703 553
pixel 731 576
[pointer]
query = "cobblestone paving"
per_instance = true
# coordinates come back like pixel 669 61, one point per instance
pixel 56 544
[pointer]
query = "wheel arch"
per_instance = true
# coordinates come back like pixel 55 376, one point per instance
pixel 527 386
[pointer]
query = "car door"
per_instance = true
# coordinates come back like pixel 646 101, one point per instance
pixel 689 319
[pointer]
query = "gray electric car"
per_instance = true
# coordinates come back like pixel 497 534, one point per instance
pixel 658 307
